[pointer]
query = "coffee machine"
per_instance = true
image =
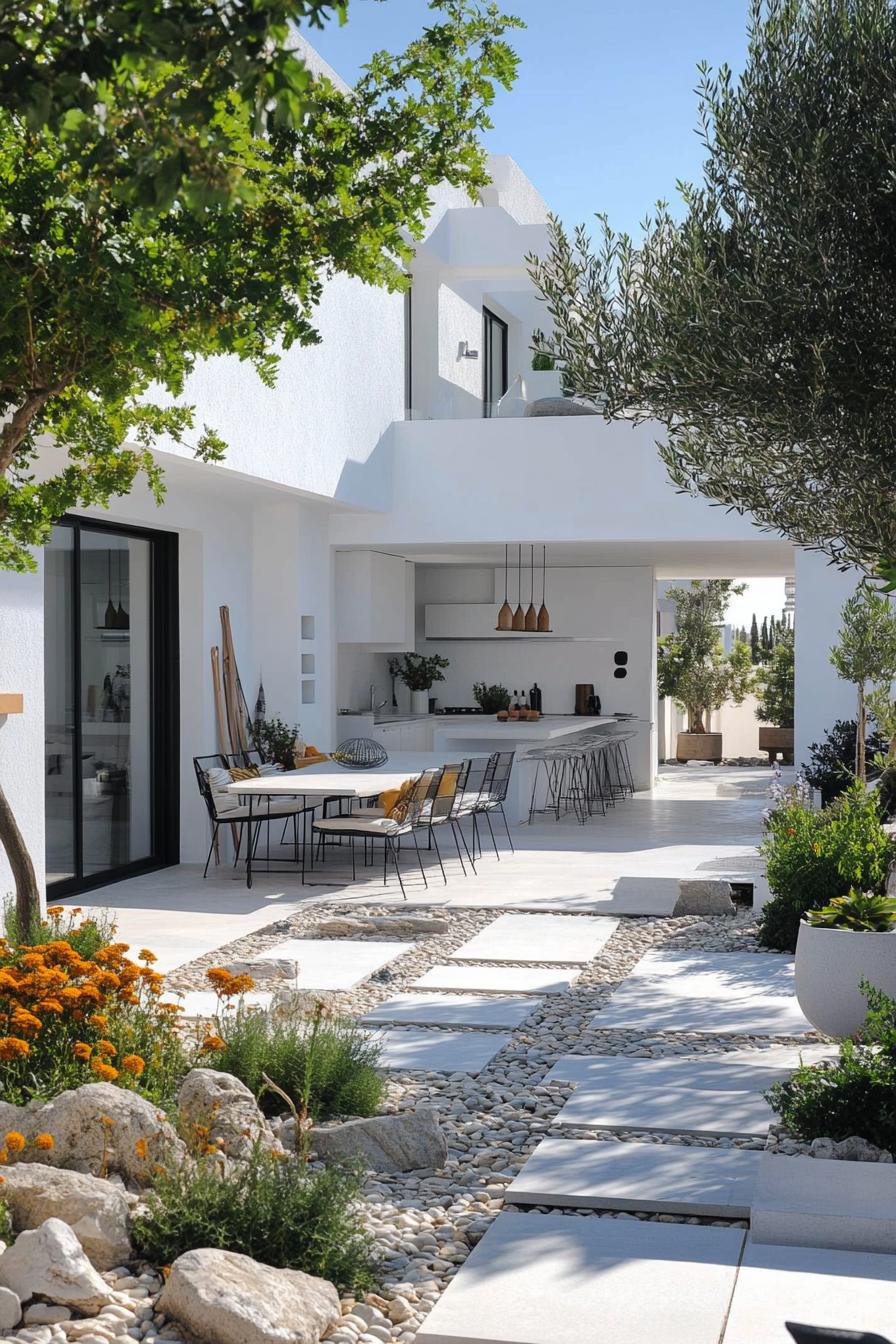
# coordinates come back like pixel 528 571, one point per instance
pixel 585 698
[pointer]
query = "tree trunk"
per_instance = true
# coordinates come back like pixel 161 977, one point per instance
pixel 860 734
pixel 695 720
pixel 13 842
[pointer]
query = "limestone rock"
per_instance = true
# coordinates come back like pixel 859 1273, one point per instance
pixel 703 897
pixel 10 1309
pixel 46 1313
pixel 271 968
pixel 50 1262
pixel 224 1104
pixel 103 1128
pixel 851 1149
pixel 95 1210
pixel 233 1299
pixel 346 926
pixel 410 1141
pixel 559 406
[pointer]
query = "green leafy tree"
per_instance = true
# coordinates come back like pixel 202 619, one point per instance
pixel 866 653
pixel 691 669
pixel 760 328
pixel 754 640
pixel 774 683
pixel 176 182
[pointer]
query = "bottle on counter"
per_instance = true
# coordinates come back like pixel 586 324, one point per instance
pixel 597 704
pixel 535 697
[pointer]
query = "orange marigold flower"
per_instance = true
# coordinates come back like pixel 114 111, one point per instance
pixel 202 1131
pixel 239 984
pixel 133 1064
pixel 106 980
pixel 14 1141
pixel 24 1021
pixel 140 1149
pixel 70 995
pixel 211 1148
pixel 81 1050
pixel 219 975
pixel 103 1071
pixel 147 956
pixel 11 1047
pixel 99 1020
pixel 4 1155
pixel 50 1006
pixel 172 1008
pixel 56 910
pixel 32 961
pixel 90 993
pixel 213 1042
pixel 44 1142
pixel 106 1048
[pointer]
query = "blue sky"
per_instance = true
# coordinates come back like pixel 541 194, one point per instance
pixel 603 115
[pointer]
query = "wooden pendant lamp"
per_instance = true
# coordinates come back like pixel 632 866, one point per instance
pixel 519 616
pixel 505 615
pixel 544 618
pixel 531 613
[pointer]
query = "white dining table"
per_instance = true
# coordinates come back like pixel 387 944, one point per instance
pixel 327 780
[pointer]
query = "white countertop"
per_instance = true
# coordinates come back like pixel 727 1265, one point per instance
pixel 486 726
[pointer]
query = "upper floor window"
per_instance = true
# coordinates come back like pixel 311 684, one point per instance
pixel 494 352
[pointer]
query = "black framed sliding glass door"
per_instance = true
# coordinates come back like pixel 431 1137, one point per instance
pixel 111 712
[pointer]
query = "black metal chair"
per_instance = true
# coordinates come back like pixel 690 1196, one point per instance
pixel 354 826
pixel 493 795
pixel 222 812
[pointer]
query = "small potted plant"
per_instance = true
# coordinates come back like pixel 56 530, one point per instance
pixel 419 672
pixel 774 711
pixel 840 946
pixel 491 699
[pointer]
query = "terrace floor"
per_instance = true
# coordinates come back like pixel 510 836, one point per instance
pixel 696 821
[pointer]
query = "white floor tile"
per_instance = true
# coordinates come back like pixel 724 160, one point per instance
pixel 337 963
pixel 454 1010
pixel 717 974
pixel 562 940
pixel 438 1051
pixel 498 979
pixel 645 1005
pixel 810 1201
pixel 641 1177
pixel 667 1109
pixel 834 1289
pixel 553 1279
pixel 731 1071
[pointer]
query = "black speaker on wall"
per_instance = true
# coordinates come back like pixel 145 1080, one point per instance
pixel 620 658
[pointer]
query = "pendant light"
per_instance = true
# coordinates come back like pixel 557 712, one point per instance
pixel 122 619
pixel 531 613
pixel 109 621
pixel 519 616
pixel 544 618
pixel 505 615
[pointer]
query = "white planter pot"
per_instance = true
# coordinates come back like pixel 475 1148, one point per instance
pixel 419 702
pixel 829 965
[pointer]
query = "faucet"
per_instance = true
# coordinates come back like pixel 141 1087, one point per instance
pixel 374 707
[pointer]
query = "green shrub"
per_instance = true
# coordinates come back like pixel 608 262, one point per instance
pixel 6 1232
pixel 856 1094
pixel 276 1210
pixel 813 857
pixel 327 1066
pixel 859 910
pixel 86 936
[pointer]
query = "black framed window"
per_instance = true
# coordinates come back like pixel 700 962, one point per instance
pixel 111 703
pixel 408 354
pixel 494 355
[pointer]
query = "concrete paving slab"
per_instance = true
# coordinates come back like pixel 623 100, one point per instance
pixel 438 1051
pixel 556 940
pixel 454 1010
pixel 205 1002
pixel 717 974
pixel 667 1110
pixel 498 979
pixel 810 1201
pixel 732 1071
pixel 641 1177
pixel 337 963
pixel 834 1289
pixel 546 1278
pixel 645 1005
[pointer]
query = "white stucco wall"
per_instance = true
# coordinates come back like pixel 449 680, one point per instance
pixel 21 735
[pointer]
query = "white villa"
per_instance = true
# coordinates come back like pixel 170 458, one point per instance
pixel 363 510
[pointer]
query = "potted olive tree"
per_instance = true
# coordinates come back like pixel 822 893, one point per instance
pixel 774 682
pixel 866 654
pixel 418 672
pixel 693 671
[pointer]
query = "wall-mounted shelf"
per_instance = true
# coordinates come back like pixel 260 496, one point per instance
pixel 12 702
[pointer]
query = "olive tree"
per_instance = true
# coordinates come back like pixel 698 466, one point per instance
pixel 177 182
pixel 866 653
pixel 757 323
pixel 692 669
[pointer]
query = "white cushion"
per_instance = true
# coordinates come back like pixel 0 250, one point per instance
pixel 270 768
pixel 219 782
pixel 359 825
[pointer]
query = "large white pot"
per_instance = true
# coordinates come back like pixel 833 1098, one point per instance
pixel 419 702
pixel 829 965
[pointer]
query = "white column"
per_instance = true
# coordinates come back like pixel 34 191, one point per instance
pixel 821 696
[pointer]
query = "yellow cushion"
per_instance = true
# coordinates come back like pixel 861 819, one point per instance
pixel 388 798
pixel 399 809
pixel 238 772
pixel 448 783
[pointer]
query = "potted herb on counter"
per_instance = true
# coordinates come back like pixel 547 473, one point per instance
pixel 491 699
pixel 419 672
